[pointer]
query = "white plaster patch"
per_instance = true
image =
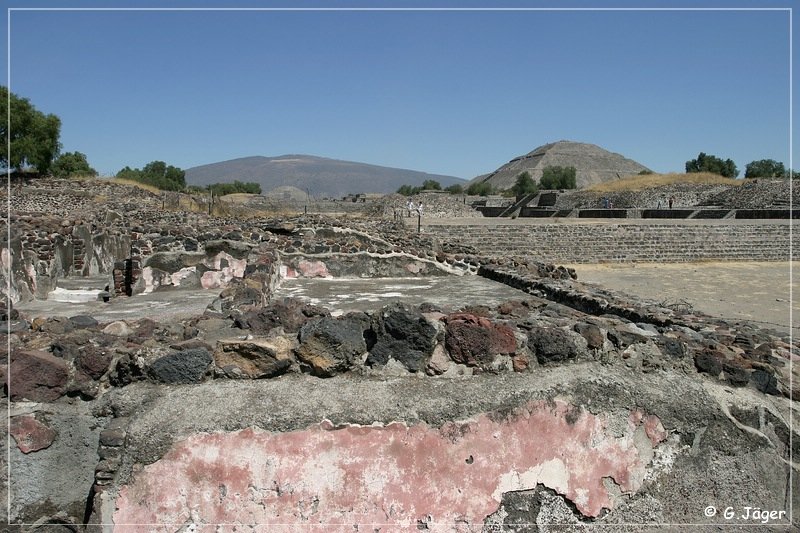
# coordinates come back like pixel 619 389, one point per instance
pixel 182 274
pixel 60 294
pixel 664 457
pixel 552 474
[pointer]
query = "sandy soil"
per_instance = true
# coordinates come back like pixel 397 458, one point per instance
pixel 759 292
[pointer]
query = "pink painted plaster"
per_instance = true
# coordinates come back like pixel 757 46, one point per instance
pixel 313 269
pixel 389 476
pixel 222 275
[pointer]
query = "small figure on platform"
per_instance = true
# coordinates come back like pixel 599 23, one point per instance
pixel 410 206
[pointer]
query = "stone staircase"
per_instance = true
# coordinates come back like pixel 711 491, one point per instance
pixel 515 208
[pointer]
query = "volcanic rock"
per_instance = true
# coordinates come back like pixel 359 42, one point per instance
pixel 404 335
pixel 331 345
pixel 477 341
pixel 254 359
pixel 187 366
pixel 30 434
pixel 37 376
pixel 551 344
pixel 290 314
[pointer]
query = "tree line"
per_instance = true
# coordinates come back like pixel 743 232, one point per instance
pixel 553 177
pixel 35 147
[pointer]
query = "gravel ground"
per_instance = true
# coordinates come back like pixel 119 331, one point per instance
pixel 753 291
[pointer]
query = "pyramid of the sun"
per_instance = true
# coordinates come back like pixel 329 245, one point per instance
pixel 592 164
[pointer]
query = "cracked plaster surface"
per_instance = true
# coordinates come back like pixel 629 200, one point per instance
pixel 393 474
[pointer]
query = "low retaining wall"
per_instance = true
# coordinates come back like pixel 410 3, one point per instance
pixel 609 242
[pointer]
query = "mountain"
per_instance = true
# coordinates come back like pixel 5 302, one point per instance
pixel 320 176
pixel 592 164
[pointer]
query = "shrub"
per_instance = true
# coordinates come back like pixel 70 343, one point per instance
pixel 555 177
pixel 713 164
pixel 480 189
pixel 765 168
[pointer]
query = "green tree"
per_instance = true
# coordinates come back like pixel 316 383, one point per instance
pixel 555 177
pixel 480 189
pixel 221 189
pixel 34 136
pixel 72 164
pixel 765 168
pixel 408 190
pixel 713 164
pixel 158 174
pixel 431 185
pixel 455 189
pixel 524 185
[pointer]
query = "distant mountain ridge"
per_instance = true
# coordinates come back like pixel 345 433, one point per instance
pixel 319 176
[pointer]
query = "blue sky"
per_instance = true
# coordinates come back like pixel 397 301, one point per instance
pixel 448 92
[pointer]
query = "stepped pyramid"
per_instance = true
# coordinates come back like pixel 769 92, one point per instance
pixel 592 164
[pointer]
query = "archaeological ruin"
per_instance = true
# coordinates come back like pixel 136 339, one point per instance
pixel 166 370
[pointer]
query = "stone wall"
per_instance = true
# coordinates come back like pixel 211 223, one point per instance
pixel 610 242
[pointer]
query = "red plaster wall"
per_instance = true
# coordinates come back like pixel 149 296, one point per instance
pixel 389 475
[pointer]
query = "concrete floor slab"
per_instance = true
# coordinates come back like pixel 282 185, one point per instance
pixel 448 292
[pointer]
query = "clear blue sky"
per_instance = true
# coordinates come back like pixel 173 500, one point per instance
pixel 448 92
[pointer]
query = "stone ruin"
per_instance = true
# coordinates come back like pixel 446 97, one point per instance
pixel 568 407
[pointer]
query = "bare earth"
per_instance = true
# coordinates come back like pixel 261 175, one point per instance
pixel 758 292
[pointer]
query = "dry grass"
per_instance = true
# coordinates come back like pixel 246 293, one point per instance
pixel 133 183
pixel 647 181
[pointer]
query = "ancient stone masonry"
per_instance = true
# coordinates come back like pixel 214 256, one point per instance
pixel 568 405
pixel 615 242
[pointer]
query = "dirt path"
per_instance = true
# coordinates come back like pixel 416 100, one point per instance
pixel 753 291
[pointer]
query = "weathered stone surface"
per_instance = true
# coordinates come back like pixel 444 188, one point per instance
pixel 624 337
pixel 290 314
pixel 235 249
pixel 93 361
pixel 83 321
pixel 191 343
pixel 113 437
pixel 476 341
pixel 119 328
pixel 30 434
pixel 594 337
pixel 520 362
pixel 56 325
pixel 404 335
pixel 672 347
pixel 254 359
pixel 128 369
pixel 187 366
pixel 439 362
pixel 37 376
pixel 331 345
pixel 387 349
pixel 14 326
pixel 709 361
pixel 551 345
pixel 765 381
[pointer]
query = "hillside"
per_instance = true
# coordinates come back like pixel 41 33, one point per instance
pixel 592 163
pixel 321 177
